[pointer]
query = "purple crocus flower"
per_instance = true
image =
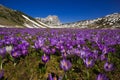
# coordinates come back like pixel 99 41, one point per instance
pixel 88 62
pixel 39 43
pixel 65 64
pixel 45 58
pixel 46 49
pixel 25 43
pixel 24 52
pixel 96 39
pixel 7 42
pixel 95 54
pixel 62 51
pixel 23 46
pixel 16 54
pixel 53 50
pixel 82 53
pixel 1 74
pixel 64 55
pixel 50 77
pixel 105 50
pixel 2 52
pixel 53 77
pixel 102 77
pixel 103 57
pixel 108 66
pixel 53 41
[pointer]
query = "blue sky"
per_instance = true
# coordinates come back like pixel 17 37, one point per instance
pixel 66 10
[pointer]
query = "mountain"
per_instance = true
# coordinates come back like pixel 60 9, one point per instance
pixel 13 18
pixel 109 21
pixel 51 20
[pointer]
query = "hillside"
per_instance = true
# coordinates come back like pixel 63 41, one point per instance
pixel 14 18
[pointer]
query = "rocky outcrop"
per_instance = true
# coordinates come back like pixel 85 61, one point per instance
pixel 51 20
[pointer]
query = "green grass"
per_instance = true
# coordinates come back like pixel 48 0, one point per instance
pixel 31 67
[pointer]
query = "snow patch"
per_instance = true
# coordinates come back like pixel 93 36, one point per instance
pixel 32 22
pixel 2 26
pixel 28 26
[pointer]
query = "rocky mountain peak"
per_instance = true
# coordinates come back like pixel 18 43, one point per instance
pixel 50 20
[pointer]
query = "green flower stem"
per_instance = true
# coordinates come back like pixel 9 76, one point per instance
pixel 1 65
pixel 88 75
pixel 65 76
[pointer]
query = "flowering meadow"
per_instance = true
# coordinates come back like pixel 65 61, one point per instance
pixel 59 54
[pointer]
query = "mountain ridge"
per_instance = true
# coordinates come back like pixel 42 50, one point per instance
pixel 14 18
pixel 112 20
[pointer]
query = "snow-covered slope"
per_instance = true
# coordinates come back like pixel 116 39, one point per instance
pixel 34 24
pixel 109 21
